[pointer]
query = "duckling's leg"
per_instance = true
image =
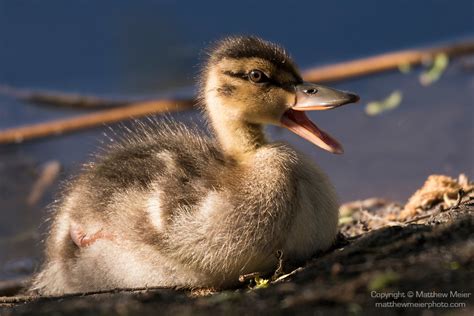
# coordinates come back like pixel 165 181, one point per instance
pixel 81 239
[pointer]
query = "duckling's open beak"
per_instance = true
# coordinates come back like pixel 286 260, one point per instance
pixel 311 97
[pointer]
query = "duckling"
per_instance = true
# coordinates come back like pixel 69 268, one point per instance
pixel 170 207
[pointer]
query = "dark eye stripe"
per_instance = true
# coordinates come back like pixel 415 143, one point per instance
pixel 270 81
pixel 239 75
pixel 290 87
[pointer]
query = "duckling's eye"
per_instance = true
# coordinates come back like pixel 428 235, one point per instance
pixel 257 76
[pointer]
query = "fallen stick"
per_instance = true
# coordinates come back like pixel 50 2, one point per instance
pixel 335 72
pixel 19 134
pixel 385 62
pixel 18 299
pixel 321 74
pixel 56 98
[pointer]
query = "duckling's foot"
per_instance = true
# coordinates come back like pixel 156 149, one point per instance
pixel 81 239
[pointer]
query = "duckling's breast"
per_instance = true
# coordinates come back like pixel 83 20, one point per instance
pixel 314 226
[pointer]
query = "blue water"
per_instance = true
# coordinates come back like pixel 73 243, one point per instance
pixel 137 48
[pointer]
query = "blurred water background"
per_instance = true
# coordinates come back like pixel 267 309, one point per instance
pixel 153 48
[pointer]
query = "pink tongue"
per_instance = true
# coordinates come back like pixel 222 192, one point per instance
pixel 299 123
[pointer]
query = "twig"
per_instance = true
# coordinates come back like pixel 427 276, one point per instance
pixel 375 217
pixel 245 277
pixel 285 276
pixel 329 73
pixel 28 298
pixel 334 72
pixel 441 210
pixel 279 270
pixel 19 134
pixel 385 62
pixel 57 98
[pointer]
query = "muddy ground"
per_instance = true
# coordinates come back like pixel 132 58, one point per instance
pixel 379 252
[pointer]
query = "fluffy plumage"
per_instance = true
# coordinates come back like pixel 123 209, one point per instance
pixel 174 207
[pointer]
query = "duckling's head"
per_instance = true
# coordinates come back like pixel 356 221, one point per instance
pixel 255 82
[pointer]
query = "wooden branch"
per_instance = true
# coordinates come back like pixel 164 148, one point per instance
pixel 57 98
pixel 335 72
pixel 384 62
pixel 7 300
pixel 320 74
pixel 19 134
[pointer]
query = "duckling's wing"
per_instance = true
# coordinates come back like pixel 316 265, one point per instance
pixel 165 152
pixel 161 165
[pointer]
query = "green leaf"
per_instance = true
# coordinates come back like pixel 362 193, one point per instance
pixel 261 283
pixel 440 63
pixel 391 102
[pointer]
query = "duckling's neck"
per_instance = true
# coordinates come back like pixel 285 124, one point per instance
pixel 237 137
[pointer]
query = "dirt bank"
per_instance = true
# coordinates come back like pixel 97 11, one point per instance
pixel 418 259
